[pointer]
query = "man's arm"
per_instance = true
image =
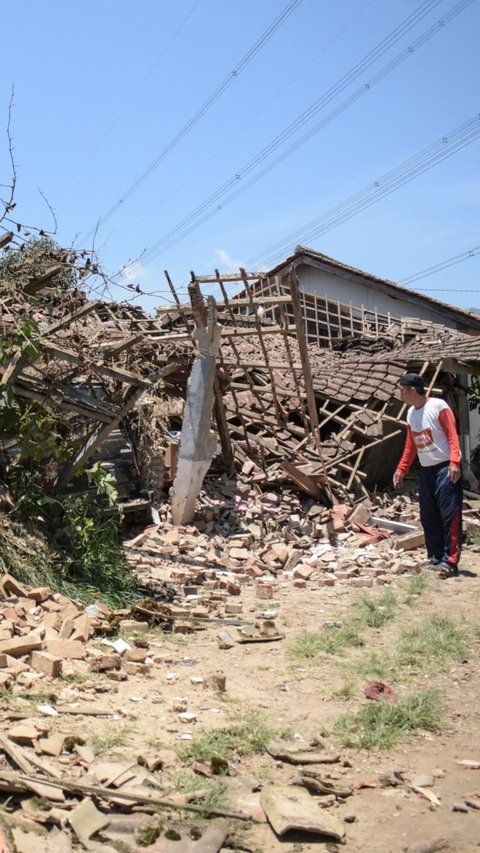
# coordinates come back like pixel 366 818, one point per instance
pixel 447 422
pixel 408 456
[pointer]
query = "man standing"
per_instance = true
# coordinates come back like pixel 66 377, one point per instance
pixel 432 434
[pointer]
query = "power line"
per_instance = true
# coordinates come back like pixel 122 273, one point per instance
pixel 216 200
pixel 251 120
pixel 207 104
pixel 130 100
pixel 442 265
pixel 442 149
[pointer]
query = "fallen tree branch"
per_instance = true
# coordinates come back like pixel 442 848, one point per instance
pixel 119 794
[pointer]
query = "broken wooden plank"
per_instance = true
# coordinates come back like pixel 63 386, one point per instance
pixel 117 373
pixel 40 281
pixel 5 239
pixel 303 481
pixel 58 399
pixel 70 318
pixel 94 440
pixel 409 541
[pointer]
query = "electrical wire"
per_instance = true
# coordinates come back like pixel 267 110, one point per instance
pixel 188 180
pixel 443 265
pixel 442 149
pixel 127 104
pixel 207 105
pixel 216 201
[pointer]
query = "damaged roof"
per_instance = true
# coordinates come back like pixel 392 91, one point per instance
pixel 306 255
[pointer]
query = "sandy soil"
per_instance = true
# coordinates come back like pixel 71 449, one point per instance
pixel 299 694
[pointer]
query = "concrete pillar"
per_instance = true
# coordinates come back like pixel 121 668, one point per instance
pixel 196 445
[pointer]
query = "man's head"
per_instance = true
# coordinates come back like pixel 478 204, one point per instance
pixel 412 389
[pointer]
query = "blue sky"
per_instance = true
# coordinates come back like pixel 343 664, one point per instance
pixel 102 88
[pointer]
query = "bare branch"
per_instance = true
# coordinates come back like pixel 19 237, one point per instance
pixel 10 204
pixel 52 211
pixel 95 232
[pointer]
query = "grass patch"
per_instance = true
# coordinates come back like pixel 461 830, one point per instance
pixel 382 665
pixel 345 692
pixel 380 725
pixel 110 738
pixel 415 586
pixel 431 644
pixel 247 734
pixel 427 647
pixel 376 611
pixel 46 697
pixel 328 640
pixel 76 677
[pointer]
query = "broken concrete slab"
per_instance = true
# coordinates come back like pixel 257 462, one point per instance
pixel 302 752
pixel 37 842
pixel 86 820
pixel 293 808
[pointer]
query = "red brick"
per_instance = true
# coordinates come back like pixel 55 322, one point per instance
pixel 303 572
pixel 19 646
pixel 137 655
pixel 361 582
pixel 81 628
pixel 48 664
pixel 103 663
pixel 133 668
pixel 72 649
pixel 40 593
pixel 66 629
pixel 12 586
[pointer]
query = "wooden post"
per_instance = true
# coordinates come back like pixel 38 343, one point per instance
pixel 307 373
pixel 200 316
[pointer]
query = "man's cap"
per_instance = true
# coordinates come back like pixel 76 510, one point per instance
pixel 413 380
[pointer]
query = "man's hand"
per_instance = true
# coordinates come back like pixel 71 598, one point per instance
pixel 454 473
pixel 397 480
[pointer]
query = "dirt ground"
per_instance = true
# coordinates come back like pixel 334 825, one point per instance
pixel 302 695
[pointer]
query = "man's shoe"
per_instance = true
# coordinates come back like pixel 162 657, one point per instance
pixel 446 570
pixel 430 564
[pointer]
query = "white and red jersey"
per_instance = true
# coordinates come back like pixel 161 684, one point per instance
pixel 432 434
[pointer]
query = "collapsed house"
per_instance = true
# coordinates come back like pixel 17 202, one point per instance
pixel 303 387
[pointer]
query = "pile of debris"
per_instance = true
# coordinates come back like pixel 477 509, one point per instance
pixel 267 537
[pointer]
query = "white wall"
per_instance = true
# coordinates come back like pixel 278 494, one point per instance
pixel 474 429
pixel 319 282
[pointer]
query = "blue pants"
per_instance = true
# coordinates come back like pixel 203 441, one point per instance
pixel 441 513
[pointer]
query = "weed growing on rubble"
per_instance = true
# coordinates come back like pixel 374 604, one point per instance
pixel 70 546
pixel 211 792
pixel 110 738
pixel 328 640
pixel 76 677
pixel 91 554
pixel 380 725
pixel 248 733
pixel 376 611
